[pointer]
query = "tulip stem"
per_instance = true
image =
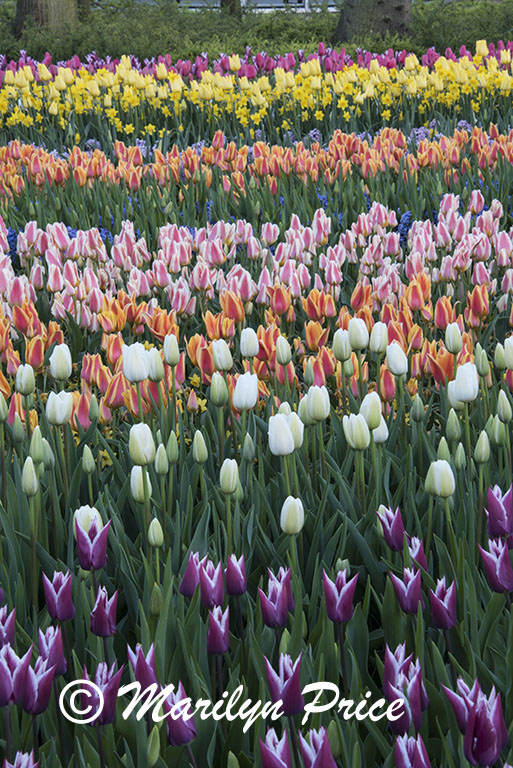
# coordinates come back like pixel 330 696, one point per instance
pixel 32 515
pixel 64 469
pixel 219 664
pixel 4 477
pixel 360 373
pixel 469 450
pixel 139 402
pixel 228 526
pixel 430 525
pixel 449 652
pixel 343 391
pixel 64 759
pixel 220 432
pixel 293 738
pixel 479 511
pixel 321 450
pixel 191 756
pixel 7 721
pixel 146 492
pixel 342 657
pixel 100 745
pixel 286 475
pixel 35 739
pixel 27 417
pixel 241 631
pixel 90 489
pixel 293 556
pixel 173 395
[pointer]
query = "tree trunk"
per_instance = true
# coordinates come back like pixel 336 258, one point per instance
pixel 362 17
pixel 54 14
pixel 28 9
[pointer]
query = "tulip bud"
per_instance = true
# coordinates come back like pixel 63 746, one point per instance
pixel 218 390
pixel 334 740
pixel 297 428
pixel 358 334
pixel 172 448
pixel 465 386
pixel 379 338
pixel 229 476
pixel 303 412
pixel 396 359
pixel 59 408
pixel 249 344
pixel 161 461
pixel 18 431
pixel 199 448
pixel 440 479
pixel 283 351
pixel 482 364
pixel 135 362
pixel 223 360
pixel 155 365
pixel 292 516
pixel 281 439
pixel 504 407
pixel 508 352
pixel 29 481
pixel 309 374
pixel 318 401
pixel 453 339
pixel 138 477
pixel 348 368
pixel 141 445
pixel 341 346
pixel 156 600
pixel 60 362
pixel 498 436
pixel 245 394
pixel 285 640
pixel 482 449
pixel 153 752
pixel 356 432
pixel 4 411
pixel 453 427
pixel 25 380
pixel 232 761
pixel 36 446
pixel 443 450
pixel 371 410
pixel 171 350
pixel 94 408
pixel 248 450
pixel 155 534
pixel 499 357
pixel 285 408
pixel 417 410
pixel 48 457
pixel 343 565
pixel 88 465
pixel 460 458
pixel 380 434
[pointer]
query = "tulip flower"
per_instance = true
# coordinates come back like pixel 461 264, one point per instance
pixel 245 394
pixel 143 666
pixel 283 352
pixel 410 752
pixel 371 410
pixel 392 527
pixel 7 622
pixel 318 403
pixel 103 615
pixel 135 362
pixel 416 550
pixel 408 591
pixel 171 350
pixel 29 481
pixel 50 649
pixel 275 752
pixel 275 606
pixel 284 685
pixel 91 538
pixel 141 445
pixel 480 720
pixel 180 731
pixel 317 752
pixel 22 760
pixel 60 362
pixel 25 381
pixel 497 565
pixel 358 334
pixel 339 596
pixel 229 476
pixel 356 431
pixel 59 600
pixel 443 605
pixel 37 686
pixel 281 439
pixel 500 512
pixel 218 638
pixel 402 679
pixel 211 583
pixel 191 576
pixel 199 448
pixel 397 360
pixel 155 534
pixel 465 387
pixel 440 479
pixel 155 365
pixel 341 345
pixel 139 476
pixel 59 408
pixel 453 340
pixel 222 356
pixel 292 516
pixel 218 390
pixel 107 680
pixel 13 671
pixel 249 343
pixel 235 574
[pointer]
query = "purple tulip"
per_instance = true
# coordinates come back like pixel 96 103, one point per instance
pixel 285 685
pixel 408 592
pixel 402 679
pixel 411 753
pixel 211 584
pixel 284 577
pixel 235 576
pixel 22 760
pixel 497 566
pixel 317 753
pixel 277 603
pixel 480 719
pixel 393 528
pixel 58 596
pixel 275 752
pixel 500 512
pixel 180 727
pixel 443 605
pixel 50 648
pixel 37 686
pixel 92 545
pixel 103 615
pixel 417 554
pixel 13 671
pixel 143 666
pixel 218 638
pixel 191 576
pixel 339 596
pixel 7 622
pixel 108 682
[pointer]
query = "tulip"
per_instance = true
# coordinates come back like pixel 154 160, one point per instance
pixel 135 362
pixel 180 731
pixel 229 476
pixel 218 390
pixel 161 461
pixel 358 334
pixel 443 605
pixel 108 682
pixel 59 408
pixel 190 579
pixel 453 339
pixel 410 752
pixel 218 638
pixel 417 410
pixel 143 666
pixel 500 512
pixel 235 574
pixel 4 411
pixel 482 449
pixel 504 411
pixel 60 362
pixel 440 479
pixel 339 596
pixel 281 439
pixel 480 719
pixel 317 753
pixel 141 444
pixel 50 648
pixel 408 591
pixel 155 534
pixel 245 394
pixel 417 554
pixel 380 434
pixel 465 387
pixel 498 436
pixel 37 686
pixel 22 760
pixel 283 352
pixel 481 360
pixel 171 350
pixel 13 671
pixel 356 431
pixel 396 359
pixel 379 338
pixel 88 465
pixel 155 365
pixel 139 477
pixel 103 615
pixel 36 446
pixel 499 357
pixel 249 343
pixel 453 428
pixel 292 516
pixel 402 679
pixel 91 538
pixel 318 402
pixel 275 606
pixel 285 686
pixel 59 600
pixel 199 448
pixel 275 752
pixel 371 410
pixel 392 527
pixel 25 380
pixel 7 622
pixel 29 481
pixel 211 583
pixel 223 360
pixel 341 345
pixel 497 566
